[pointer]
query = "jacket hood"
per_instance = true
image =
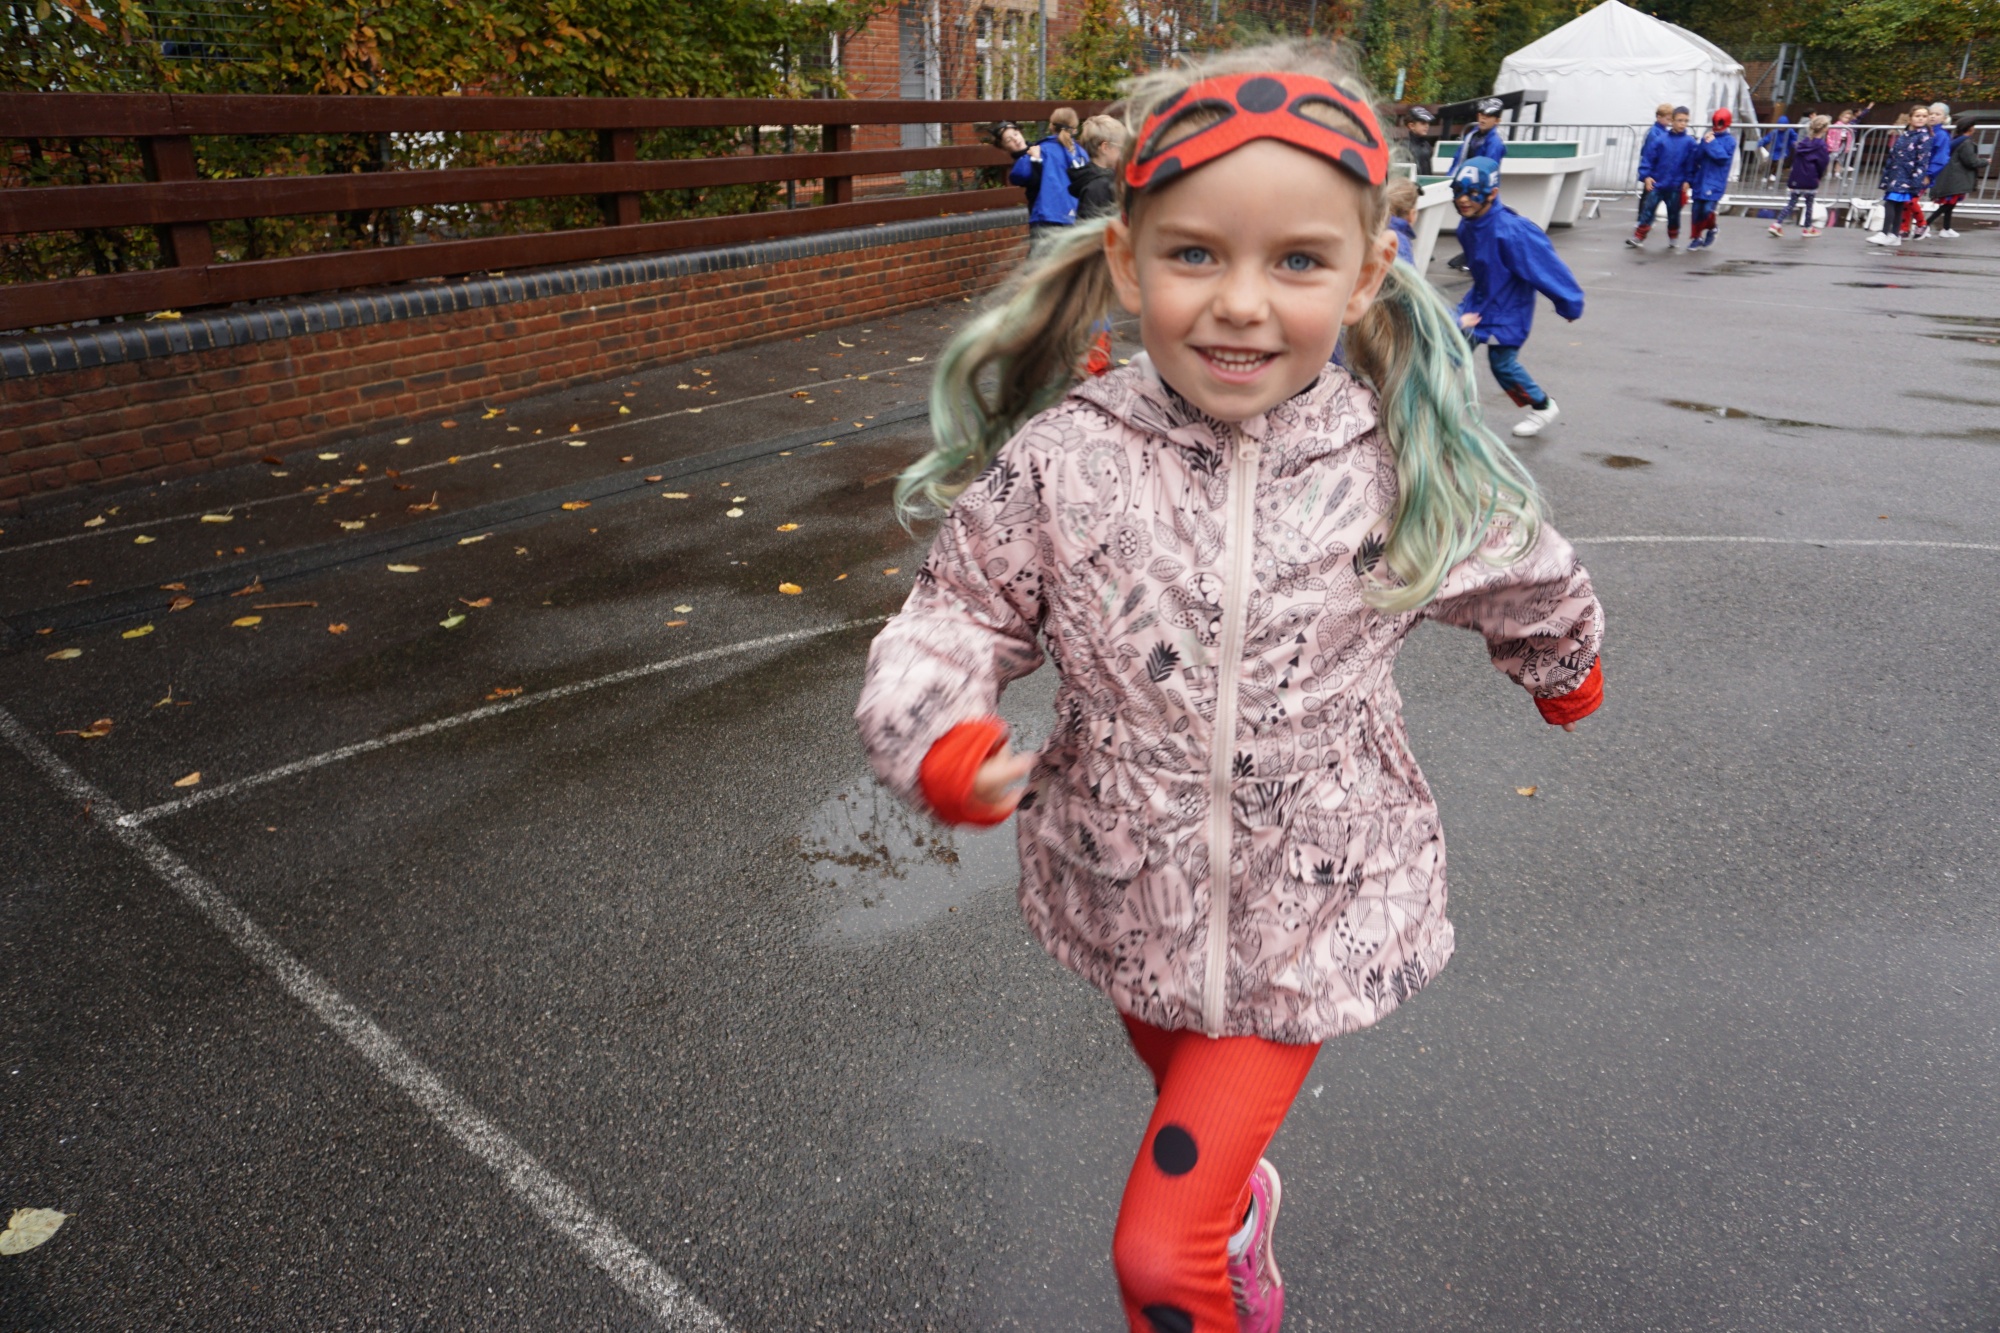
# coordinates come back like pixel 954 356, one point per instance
pixel 1321 419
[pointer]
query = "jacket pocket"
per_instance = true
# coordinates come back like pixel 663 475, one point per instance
pixel 1086 834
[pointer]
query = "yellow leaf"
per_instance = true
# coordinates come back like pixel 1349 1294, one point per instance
pixel 143 540
pixel 96 730
pixel 673 495
pixel 467 541
pixel 217 518
pixel 788 527
pixel 893 569
pixel 328 458
pixel 574 428
pixel 454 620
pixel 624 411
pixel 191 780
pixel 404 569
pixel 29 1227
pixel 683 610
pixel 790 589
pixel 675 624
pixel 353 524
pixel 138 633
pixel 576 504
pixel 452 459
pixel 97 522
pixel 504 691
pixel 406 439
pixel 336 628
pixel 180 603
pixel 478 603
pixel 912 358
pixel 578 444
pixel 65 655
pixel 732 513
pixel 245 622
pixel 1526 791
pixel 826 444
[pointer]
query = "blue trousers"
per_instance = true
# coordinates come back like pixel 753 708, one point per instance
pixel 1670 195
pixel 1507 368
pixel 1704 217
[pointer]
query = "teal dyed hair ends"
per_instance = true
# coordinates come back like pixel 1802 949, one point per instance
pixel 1455 478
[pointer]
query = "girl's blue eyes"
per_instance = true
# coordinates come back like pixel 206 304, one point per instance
pixel 1292 263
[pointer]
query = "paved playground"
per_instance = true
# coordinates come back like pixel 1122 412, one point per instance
pixel 535 951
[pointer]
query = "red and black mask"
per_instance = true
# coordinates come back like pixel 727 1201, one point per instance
pixel 1220 115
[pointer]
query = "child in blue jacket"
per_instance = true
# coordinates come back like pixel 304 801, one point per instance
pixel 1511 259
pixel 1043 171
pixel 1905 172
pixel 1663 174
pixel 1713 158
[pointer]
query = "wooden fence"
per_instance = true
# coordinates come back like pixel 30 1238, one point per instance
pixel 180 205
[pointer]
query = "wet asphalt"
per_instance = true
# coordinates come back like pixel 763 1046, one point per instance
pixel 1718 1050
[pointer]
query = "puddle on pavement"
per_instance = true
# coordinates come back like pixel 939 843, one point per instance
pixel 886 868
pixel 1625 460
pixel 1738 414
pixel 1934 396
pixel 1746 268
pixel 1892 286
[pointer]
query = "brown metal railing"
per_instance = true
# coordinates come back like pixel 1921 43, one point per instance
pixel 181 206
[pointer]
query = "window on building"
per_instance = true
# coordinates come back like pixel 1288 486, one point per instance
pixel 1001 41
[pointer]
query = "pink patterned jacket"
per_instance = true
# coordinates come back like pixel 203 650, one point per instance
pixel 1143 544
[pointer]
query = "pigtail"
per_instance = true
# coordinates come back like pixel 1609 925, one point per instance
pixel 1455 477
pixel 1016 357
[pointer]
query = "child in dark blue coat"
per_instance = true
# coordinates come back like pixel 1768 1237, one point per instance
pixel 1810 156
pixel 1511 259
pixel 1905 172
pixel 1043 171
pixel 1709 178
pixel 1663 174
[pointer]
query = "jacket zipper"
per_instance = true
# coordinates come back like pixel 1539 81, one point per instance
pixel 1238 548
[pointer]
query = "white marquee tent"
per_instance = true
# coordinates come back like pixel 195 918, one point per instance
pixel 1613 65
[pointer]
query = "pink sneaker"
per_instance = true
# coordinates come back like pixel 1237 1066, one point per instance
pixel 1253 1275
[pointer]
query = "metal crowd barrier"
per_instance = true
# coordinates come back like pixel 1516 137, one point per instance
pixel 1757 180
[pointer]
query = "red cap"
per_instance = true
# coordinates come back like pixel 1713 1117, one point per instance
pixel 1220 115
pixel 1722 118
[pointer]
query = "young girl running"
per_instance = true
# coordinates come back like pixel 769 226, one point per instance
pixel 1222 547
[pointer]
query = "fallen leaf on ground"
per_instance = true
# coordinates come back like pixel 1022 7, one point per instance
pixel 181 603
pixel 675 624
pixel 574 428
pixel 79 583
pixel 404 486
pixel 800 393
pixel 173 587
pixel 336 628
pixel 912 358
pixel 280 606
pixel 480 604
pixel 673 495
pixel 843 344
pixel 454 620
pixel 391 473
pixel 274 460
pixel 683 610
pixel 404 569
pixel 30 1227
pixel 893 569
pixel 504 691
pixel 217 518
pixel 360 467
pixel 453 459
pixel 578 444
pixel 576 504
pixel 694 411
pixel 838 577
pixel 138 633
pixel 493 412
pixel 191 780
pixel 143 540
pixel 255 586
pixel 95 731
pixel 788 527
pixel 790 589
pixel 245 622
pixel 424 506
pixel 352 524
pixel 1526 791
pixel 328 458
pixel 406 439
pixel 467 541
pixel 624 411
pixel 826 444
pixel 65 655
pixel 732 513
pixel 449 425
pixel 624 458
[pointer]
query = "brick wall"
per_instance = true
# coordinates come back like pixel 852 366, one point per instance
pixel 108 408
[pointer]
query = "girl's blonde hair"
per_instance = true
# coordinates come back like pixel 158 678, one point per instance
pixel 1817 127
pixel 1020 354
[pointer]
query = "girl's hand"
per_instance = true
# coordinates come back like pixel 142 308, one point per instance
pixel 1035 153
pixel 1569 726
pixel 1002 780
pixel 1466 321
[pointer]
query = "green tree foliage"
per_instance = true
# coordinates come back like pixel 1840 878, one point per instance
pixel 1100 53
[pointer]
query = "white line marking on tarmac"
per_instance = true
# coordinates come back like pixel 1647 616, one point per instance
pixel 311 762
pixel 566 1211
pixel 886 373
pixel 1789 541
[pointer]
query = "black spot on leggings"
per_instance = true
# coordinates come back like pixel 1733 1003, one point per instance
pixel 1174 1151
pixel 1168 1319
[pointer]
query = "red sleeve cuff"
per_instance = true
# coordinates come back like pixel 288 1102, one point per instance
pixel 1579 703
pixel 948 769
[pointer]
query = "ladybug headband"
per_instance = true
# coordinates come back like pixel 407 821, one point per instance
pixel 1220 115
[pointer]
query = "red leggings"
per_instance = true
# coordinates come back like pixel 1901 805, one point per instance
pixel 1220 1101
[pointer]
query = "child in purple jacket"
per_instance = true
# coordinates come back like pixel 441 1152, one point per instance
pixel 1809 158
